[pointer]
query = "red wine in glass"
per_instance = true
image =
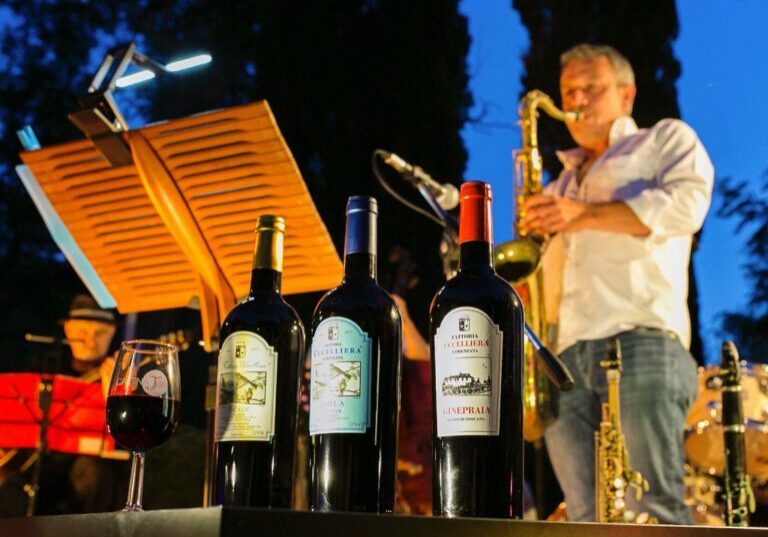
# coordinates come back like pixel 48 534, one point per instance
pixel 141 422
pixel 143 404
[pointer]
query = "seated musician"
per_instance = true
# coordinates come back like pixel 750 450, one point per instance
pixel 89 330
pixel 627 204
pixel 72 483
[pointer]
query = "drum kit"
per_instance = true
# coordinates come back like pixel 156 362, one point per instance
pixel 704 447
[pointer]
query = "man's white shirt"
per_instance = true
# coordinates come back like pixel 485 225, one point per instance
pixel 613 281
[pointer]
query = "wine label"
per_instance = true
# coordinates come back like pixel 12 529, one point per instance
pixel 467 374
pixel 340 380
pixel 245 389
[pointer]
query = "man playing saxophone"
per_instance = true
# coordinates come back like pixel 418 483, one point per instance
pixel 627 204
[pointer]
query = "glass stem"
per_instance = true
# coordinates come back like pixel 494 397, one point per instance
pixel 136 484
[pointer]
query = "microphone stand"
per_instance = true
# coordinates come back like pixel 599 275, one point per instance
pixel 449 244
pixel 44 399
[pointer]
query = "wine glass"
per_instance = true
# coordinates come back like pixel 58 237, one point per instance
pixel 143 404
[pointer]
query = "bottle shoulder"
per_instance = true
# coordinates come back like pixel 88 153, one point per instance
pixel 362 299
pixel 487 291
pixel 269 309
pixel 354 293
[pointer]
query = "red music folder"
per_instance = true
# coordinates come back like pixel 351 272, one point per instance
pixel 76 419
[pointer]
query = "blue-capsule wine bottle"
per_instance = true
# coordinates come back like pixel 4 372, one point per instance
pixel 355 380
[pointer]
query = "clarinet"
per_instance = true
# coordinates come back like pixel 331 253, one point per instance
pixel 739 499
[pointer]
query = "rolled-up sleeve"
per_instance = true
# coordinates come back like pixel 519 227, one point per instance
pixel 684 179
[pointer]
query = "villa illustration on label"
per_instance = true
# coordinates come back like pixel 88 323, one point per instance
pixel 464 384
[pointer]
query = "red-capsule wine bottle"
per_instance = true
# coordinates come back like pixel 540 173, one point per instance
pixel 257 385
pixel 476 344
pixel 355 380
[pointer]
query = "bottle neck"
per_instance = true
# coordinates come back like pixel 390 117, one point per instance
pixel 360 264
pixel 267 271
pixel 475 227
pixel 265 279
pixel 475 254
pixel 475 221
pixel 360 242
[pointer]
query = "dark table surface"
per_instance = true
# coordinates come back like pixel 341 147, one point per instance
pixel 230 522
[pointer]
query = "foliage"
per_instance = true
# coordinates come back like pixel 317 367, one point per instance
pixel 749 209
pixel 47 61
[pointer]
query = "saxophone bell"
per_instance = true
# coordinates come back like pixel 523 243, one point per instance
pixel 517 259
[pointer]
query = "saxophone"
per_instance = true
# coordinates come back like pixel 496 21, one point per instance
pixel 739 499
pixel 613 475
pixel 518 261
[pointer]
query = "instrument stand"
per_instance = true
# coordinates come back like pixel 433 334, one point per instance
pixel 538 483
pixel 210 424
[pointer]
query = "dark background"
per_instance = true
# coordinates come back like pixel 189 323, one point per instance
pixel 343 78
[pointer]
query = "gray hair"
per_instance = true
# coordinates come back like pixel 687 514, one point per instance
pixel 585 52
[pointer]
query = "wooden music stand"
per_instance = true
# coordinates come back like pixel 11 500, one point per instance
pixel 176 227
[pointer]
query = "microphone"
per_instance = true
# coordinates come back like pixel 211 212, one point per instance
pixel 446 194
pixel 50 340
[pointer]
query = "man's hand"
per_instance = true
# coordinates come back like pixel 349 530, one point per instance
pixel 546 214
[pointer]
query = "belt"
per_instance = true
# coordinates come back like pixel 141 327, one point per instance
pixel 652 330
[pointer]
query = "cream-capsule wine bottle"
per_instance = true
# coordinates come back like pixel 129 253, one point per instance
pixel 257 386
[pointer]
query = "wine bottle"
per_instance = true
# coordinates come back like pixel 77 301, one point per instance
pixel 257 385
pixel 355 380
pixel 476 346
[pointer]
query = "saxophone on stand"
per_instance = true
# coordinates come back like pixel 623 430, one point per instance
pixel 738 495
pixel 614 478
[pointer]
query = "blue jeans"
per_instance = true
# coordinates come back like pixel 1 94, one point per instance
pixel 658 386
